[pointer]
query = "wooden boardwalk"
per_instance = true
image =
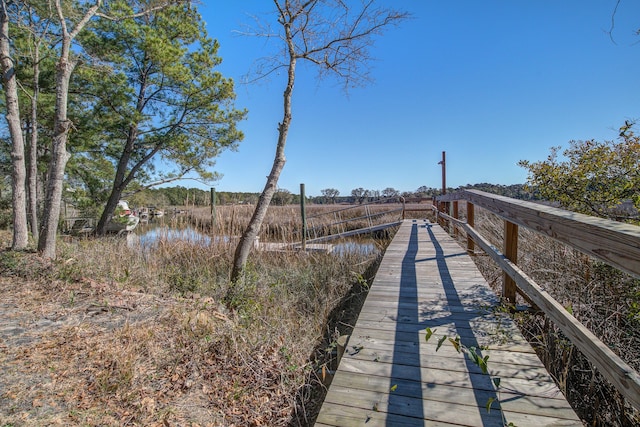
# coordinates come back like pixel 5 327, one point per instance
pixel 391 376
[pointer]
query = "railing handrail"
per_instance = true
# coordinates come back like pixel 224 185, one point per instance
pixel 615 243
pixel 378 201
pixel 369 215
pixel 358 218
pixel 612 242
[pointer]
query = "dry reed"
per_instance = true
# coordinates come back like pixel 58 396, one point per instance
pixel 605 300
pixel 142 339
pixel 284 223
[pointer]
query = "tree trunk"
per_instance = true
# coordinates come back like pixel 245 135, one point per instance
pixel 33 147
pixel 119 184
pixel 57 164
pixel 121 180
pixel 61 126
pixel 249 236
pixel 340 55
pixel 19 172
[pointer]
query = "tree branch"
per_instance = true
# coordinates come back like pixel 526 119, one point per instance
pixel 143 13
pixel 613 22
pixel 164 181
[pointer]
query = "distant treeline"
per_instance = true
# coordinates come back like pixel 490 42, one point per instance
pixel 182 196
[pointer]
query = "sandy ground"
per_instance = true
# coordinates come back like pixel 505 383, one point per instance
pixel 90 354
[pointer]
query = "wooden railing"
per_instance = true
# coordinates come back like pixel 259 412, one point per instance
pixel 614 243
pixel 351 220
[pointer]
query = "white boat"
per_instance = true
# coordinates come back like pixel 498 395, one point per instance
pixel 124 220
pixel 123 224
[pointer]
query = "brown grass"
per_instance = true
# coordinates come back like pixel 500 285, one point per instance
pixel 603 299
pixel 284 223
pixel 113 336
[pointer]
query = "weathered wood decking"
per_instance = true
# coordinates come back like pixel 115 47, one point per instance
pixel 391 376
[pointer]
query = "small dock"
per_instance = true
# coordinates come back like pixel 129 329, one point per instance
pixel 390 375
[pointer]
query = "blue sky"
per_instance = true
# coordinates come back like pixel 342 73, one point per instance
pixel 490 82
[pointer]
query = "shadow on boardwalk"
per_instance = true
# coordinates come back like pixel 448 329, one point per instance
pixel 390 376
pixel 407 365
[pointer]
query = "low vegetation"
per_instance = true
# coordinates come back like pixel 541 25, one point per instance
pixel 113 335
pixel 108 333
pixel 283 224
pixel 605 300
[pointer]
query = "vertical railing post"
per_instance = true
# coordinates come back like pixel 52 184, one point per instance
pixel 454 214
pixel 471 223
pixel 443 162
pixel 213 209
pixel 445 208
pixel 434 207
pixel 303 213
pixel 511 252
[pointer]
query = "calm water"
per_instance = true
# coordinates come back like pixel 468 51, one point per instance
pixel 148 238
pixel 354 247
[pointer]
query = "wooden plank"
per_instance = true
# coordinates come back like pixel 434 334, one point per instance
pixel 390 375
pixel 609 364
pixel 537 386
pixel 354 232
pixel 457 363
pixel 431 410
pixel 392 403
pixel 464 301
pixel 498 355
pixel 426 307
pixel 407 337
pixel 335 414
pixel 467 331
pixel 471 222
pixel 510 402
pixel 614 242
pixel 510 249
pixel 452 313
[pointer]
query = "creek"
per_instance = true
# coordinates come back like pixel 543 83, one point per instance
pixel 149 236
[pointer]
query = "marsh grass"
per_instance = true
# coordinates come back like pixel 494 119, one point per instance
pixel 605 300
pixel 140 337
pixel 281 224
pixel 284 223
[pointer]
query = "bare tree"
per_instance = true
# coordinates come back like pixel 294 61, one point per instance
pixel 330 194
pixel 19 172
pixel 390 192
pixel 335 35
pixel 359 194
